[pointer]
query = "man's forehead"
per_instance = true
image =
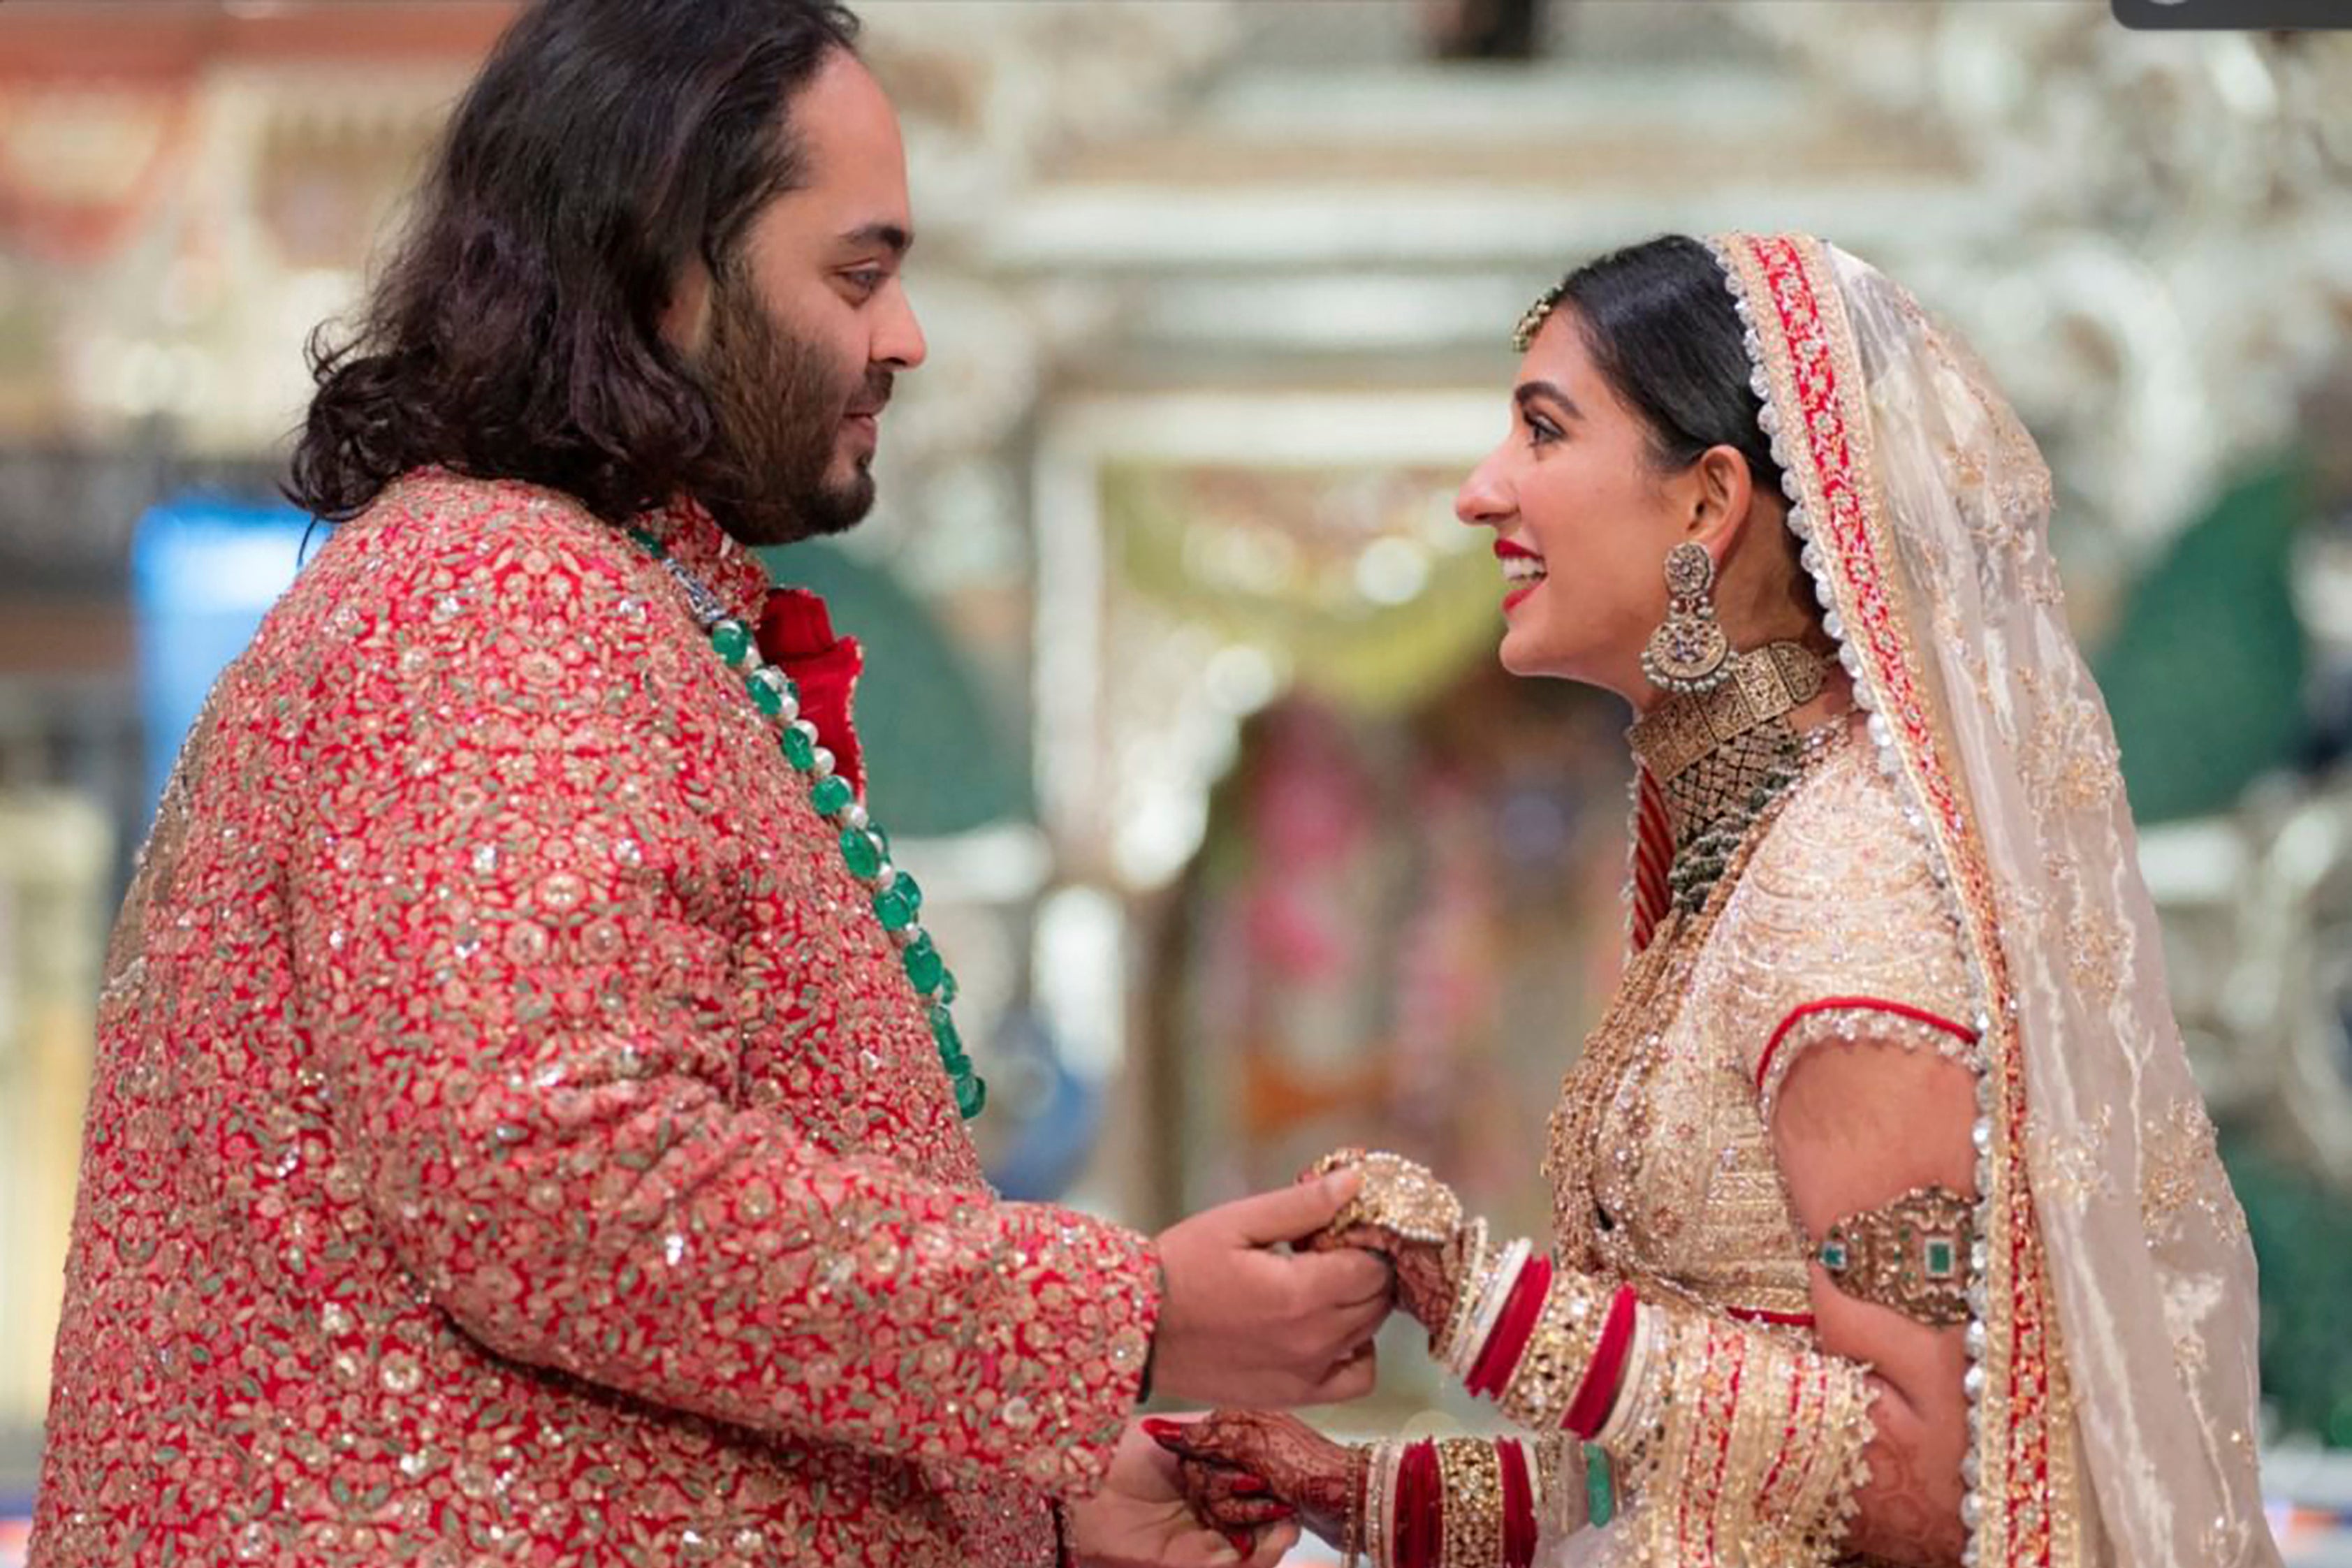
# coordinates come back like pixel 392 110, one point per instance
pixel 842 116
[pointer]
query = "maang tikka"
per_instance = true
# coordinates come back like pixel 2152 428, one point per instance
pixel 1689 652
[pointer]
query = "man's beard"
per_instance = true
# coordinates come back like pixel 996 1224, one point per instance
pixel 780 407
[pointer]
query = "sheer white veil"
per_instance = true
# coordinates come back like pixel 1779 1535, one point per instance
pixel 2114 1384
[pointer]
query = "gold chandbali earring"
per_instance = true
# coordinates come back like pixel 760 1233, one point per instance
pixel 1689 652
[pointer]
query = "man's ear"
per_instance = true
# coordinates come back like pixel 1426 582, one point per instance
pixel 686 319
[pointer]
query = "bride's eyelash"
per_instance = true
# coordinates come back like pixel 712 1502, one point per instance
pixel 1541 431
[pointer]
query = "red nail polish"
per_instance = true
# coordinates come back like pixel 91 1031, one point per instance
pixel 1155 1427
pixel 1239 1539
pixel 1248 1486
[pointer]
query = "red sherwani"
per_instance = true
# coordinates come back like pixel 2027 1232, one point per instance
pixel 513 1139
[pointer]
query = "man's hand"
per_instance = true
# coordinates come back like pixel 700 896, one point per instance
pixel 1140 1519
pixel 1427 1277
pixel 1245 1326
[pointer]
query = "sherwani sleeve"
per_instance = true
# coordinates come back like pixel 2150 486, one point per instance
pixel 522 904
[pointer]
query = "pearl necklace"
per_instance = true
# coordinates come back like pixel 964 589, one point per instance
pixel 897 898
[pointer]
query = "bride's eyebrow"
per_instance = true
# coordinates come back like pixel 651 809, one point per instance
pixel 1526 393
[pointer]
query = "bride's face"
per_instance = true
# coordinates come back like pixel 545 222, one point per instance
pixel 1582 520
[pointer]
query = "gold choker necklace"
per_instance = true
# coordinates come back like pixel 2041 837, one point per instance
pixel 1721 757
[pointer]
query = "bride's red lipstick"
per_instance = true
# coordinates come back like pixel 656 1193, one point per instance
pixel 1505 550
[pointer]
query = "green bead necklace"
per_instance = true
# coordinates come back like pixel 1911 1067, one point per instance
pixel 897 898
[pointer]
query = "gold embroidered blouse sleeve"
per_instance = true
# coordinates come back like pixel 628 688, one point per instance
pixel 1837 931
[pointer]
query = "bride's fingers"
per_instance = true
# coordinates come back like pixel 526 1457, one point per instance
pixel 1242 1512
pixel 1217 1438
pixel 1221 1484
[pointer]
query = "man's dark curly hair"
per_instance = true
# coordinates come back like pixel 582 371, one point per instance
pixel 516 332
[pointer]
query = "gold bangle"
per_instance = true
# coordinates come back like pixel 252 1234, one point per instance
pixel 1470 1528
pixel 1559 1354
pixel 1562 1495
pixel 1380 1479
pixel 1351 1548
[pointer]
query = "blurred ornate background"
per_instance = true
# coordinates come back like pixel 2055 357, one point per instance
pixel 1179 662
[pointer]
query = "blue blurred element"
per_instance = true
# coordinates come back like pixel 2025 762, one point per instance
pixel 203 571
pixel 1055 1139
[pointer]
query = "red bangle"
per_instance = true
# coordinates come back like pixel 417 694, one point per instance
pixel 1598 1392
pixel 1425 1492
pixel 1518 1506
pixel 1492 1372
pixel 1404 1506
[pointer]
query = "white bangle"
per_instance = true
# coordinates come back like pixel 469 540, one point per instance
pixel 1490 1307
pixel 1531 1461
pixel 1628 1417
pixel 1390 1455
pixel 1466 1294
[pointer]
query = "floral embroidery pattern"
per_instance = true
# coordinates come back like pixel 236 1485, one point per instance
pixel 511 1137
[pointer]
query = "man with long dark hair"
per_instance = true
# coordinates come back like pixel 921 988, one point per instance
pixel 529 1118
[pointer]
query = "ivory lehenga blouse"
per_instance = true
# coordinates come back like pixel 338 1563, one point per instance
pixel 1834 928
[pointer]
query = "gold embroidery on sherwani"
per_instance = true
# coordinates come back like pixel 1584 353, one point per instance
pixel 515 1136
pixel 126 949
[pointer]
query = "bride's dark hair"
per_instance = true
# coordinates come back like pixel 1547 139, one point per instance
pixel 1658 320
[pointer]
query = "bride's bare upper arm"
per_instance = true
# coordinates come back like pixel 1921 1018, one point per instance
pixel 1855 1124
pixel 1859 1122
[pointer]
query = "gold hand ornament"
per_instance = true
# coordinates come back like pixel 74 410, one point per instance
pixel 1400 1197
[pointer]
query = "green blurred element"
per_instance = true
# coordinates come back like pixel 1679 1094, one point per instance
pixel 2204 675
pixel 2302 1231
pixel 938 758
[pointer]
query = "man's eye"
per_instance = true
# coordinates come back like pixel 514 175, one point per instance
pixel 866 279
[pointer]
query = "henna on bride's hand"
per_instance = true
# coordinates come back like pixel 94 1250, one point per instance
pixel 1299 1466
pixel 1225 1498
pixel 1424 1286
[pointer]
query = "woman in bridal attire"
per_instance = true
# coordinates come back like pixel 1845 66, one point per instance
pixel 1887 1222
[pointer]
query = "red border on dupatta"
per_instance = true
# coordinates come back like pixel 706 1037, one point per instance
pixel 2019 1483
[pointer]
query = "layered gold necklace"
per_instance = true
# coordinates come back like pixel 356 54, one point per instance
pixel 1721 757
